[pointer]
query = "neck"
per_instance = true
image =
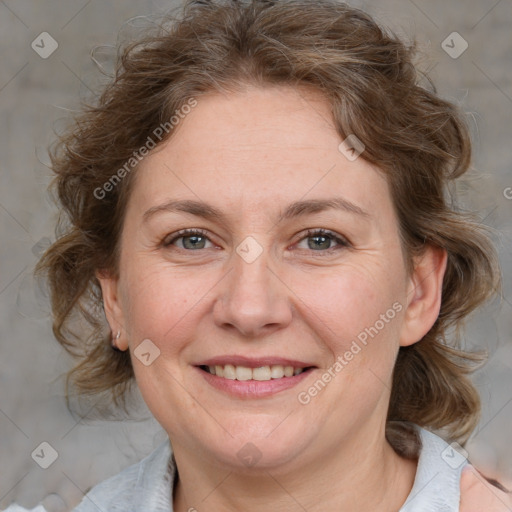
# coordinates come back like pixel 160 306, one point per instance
pixel 363 474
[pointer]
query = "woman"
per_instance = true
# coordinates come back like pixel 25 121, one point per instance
pixel 259 235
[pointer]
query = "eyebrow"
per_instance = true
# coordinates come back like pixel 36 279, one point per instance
pixel 293 210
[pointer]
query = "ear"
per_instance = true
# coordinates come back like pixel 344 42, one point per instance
pixel 424 294
pixel 113 310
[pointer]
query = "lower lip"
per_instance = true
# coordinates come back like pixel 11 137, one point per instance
pixel 253 388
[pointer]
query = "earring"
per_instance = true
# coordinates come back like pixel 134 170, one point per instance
pixel 114 342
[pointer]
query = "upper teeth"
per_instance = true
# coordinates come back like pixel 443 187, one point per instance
pixel 232 372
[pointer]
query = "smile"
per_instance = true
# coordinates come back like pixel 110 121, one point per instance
pixel 257 382
pixel 243 373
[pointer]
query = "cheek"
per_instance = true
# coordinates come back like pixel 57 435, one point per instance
pixel 158 301
pixel 357 313
pixel 349 301
pixel 160 307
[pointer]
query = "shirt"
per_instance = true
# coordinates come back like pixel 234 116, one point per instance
pixel 147 486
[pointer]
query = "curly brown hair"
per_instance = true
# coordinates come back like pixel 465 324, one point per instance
pixel 420 142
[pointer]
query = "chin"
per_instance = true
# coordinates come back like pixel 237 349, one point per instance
pixel 259 447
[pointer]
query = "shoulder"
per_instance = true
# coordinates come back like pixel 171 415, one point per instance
pixel 144 485
pixel 135 485
pixel 17 508
pixel 111 490
pixel 477 493
pixel 445 480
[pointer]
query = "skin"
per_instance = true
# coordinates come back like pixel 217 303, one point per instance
pixel 478 494
pixel 250 154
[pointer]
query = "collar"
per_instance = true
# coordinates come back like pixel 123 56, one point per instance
pixel 148 485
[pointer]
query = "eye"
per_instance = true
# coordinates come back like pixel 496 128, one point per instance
pixel 322 239
pixel 191 239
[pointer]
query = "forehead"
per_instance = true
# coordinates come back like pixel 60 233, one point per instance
pixel 253 148
pixel 257 121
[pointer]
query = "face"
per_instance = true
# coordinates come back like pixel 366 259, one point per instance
pixel 255 288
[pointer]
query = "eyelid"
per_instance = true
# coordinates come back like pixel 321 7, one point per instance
pixel 169 239
pixel 341 240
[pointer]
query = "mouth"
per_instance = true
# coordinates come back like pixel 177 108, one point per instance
pixel 260 373
pixel 248 378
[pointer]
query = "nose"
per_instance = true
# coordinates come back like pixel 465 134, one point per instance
pixel 253 299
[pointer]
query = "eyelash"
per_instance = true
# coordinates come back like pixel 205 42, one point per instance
pixel 310 233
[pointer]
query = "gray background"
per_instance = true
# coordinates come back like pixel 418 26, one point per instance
pixel 37 95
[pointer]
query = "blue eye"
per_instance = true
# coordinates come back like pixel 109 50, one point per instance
pixel 324 238
pixel 195 239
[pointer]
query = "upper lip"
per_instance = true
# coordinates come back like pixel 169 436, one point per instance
pixel 253 362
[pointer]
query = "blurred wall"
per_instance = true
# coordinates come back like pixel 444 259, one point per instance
pixel 38 90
